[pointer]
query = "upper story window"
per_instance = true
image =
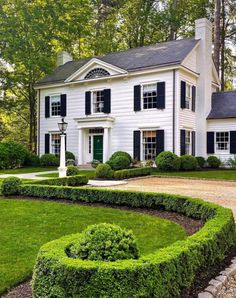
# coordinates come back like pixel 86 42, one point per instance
pixel 188 98
pixel 55 143
pixel 98 101
pixel 150 96
pixel 188 142
pixel 222 141
pixel 97 73
pixel 55 105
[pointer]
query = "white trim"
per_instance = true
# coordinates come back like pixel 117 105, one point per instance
pixel 94 61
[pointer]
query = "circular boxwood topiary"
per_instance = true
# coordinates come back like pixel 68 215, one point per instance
pixel 104 171
pixel 213 162
pixel 72 171
pixel 121 153
pixel 201 161
pixel 11 186
pixel 188 162
pixel 167 161
pixel 48 159
pixel 104 242
pixel 70 155
pixel 119 163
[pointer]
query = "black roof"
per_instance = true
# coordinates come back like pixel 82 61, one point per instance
pixel 223 105
pixel 165 53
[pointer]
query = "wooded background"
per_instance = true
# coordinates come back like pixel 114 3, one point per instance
pixel 32 32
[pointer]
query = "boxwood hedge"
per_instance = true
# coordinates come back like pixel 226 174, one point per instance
pixel 164 273
pixel 77 180
pixel 129 173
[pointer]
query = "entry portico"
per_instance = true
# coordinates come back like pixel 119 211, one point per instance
pixel 94 136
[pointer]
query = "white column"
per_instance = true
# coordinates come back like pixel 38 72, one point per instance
pixel 80 151
pixel 105 144
pixel 62 169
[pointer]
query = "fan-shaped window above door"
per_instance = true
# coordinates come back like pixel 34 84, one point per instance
pixel 97 73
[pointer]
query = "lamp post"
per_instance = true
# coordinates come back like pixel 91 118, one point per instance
pixel 62 168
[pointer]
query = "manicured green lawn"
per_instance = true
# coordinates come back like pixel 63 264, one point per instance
pixel 89 173
pixel 210 174
pixel 26 225
pixel 27 170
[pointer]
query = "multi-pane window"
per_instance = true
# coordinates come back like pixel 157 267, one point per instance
pixel 149 145
pixel 222 140
pixel 98 101
pixel 187 142
pixel 150 96
pixel 188 97
pixel 55 105
pixel 55 143
pixel 97 73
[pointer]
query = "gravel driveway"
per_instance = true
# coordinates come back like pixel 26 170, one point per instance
pixel 220 192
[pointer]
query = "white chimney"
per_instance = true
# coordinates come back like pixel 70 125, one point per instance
pixel 63 57
pixel 203 32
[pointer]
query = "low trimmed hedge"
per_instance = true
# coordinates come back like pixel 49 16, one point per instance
pixel 164 273
pixel 77 180
pixel 129 173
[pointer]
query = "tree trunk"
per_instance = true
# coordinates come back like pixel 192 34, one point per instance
pixel 217 40
pixel 223 33
pixel 173 28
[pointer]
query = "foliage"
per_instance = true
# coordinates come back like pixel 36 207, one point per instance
pixel 72 171
pixel 167 161
pixel 70 162
pixel 174 266
pixel 121 153
pixel 129 173
pixel 12 155
pixel 95 163
pixel 201 161
pixel 36 222
pixel 48 160
pixel 232 162
pixel 70 155
pixel 213 162
pixel 32 160
pixel 188 162
pixel 118 163
pixel 104 242
pixel 77 180
pixel 10 186
pixel 104 171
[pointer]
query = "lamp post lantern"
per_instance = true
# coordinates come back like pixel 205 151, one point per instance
pixel 62 168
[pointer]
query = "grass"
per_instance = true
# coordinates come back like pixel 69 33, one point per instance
pixel 27 170
pixel 207 174
pixel 26 225
pixel 89 173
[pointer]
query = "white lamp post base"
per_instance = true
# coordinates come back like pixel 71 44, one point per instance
pixel 62 172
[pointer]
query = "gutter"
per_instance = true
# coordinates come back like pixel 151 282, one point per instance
pixel 174 100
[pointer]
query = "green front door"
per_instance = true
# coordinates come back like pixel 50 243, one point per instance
pixel 98 148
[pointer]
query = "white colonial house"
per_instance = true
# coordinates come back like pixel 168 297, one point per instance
pixel 142 101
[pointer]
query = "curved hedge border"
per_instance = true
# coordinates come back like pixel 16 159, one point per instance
pixel 165 273
pixel 77 180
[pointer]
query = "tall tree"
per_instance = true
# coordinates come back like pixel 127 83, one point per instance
pixel 217 33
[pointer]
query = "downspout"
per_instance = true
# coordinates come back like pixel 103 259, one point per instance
pixel 38 130
pixel 174 100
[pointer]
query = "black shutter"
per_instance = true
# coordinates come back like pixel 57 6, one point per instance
pixel 193 143
pixel 193 98
pixel 87 103
pixel 63 105
pixel 210 142
pixel 47 143
pixel 183 94
pixel 161 86
pixel 47 106
pixel 107 101
pixel 160 141
pixel 233 142
pixel 136 143
pixel 182 142
pixel 137 98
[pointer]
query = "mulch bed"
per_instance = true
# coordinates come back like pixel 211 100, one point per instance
pixel 189 224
